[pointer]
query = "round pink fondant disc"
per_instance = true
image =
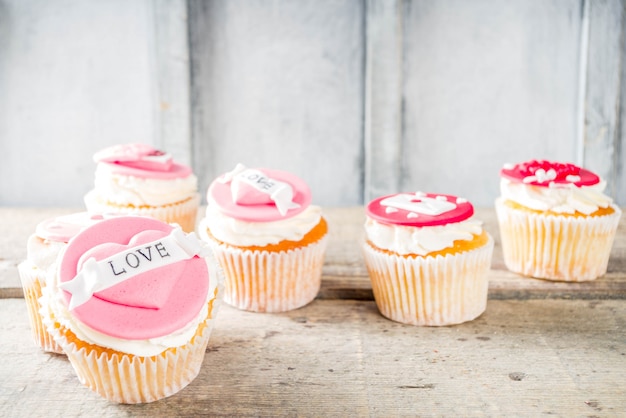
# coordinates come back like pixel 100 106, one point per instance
pixel 185 301
pixel 520 171
pixel 220 194
pixel 174 172
pixel 378 212
pixel 63 228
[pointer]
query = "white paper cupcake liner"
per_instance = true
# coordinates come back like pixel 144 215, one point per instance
pixel 129 379
pixel 431 291
pixel 563 248
pixel 262 281
pixel 33 280
pixel 182 213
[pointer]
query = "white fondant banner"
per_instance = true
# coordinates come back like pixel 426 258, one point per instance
pixel 96 276
pixel 279 192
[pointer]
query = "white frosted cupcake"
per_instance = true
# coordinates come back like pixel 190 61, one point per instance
pixel 138 179
pixel 555 221
pixel 268 238
pixel 428 261
pixel 43 247
pixel 132 304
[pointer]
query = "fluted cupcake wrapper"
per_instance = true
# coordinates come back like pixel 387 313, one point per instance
pixel 431 291
pixel 130 379
pixel 263 281
pixel 182 213
pixel 33 280
pixel 553 247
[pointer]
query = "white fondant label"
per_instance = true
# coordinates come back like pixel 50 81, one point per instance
pixel 262 188
pixel 419 203
pixel 96 276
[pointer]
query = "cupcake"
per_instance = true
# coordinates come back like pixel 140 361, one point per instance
pixel 267 237
pixel 132 303
pixel 555 222
pixel 42 249
pixel 427 258
pixel 138 179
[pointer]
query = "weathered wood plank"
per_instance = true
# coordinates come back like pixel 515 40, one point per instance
pixel 74 77
pixel 171 55
pixel 486 83
pixel 604 61
pixel 335 358
pixel 344 272
pixel 383 97
pixel 280 85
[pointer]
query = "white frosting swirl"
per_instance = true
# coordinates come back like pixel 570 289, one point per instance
pixel 42 253
pixel 556 198
pixel 419 240
pixel 53 302
pixel 244 234
pixel 130 190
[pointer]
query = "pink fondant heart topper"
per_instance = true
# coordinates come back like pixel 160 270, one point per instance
pixel 549 174
pixel 259 195
pixel 151 304
pixel 419 209
pixel 141 160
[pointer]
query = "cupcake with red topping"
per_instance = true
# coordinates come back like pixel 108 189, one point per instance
pixel 138 179
pixel 427 258
pixel 555 221
pixel 132 304
pixel 267 237
pixel 42 249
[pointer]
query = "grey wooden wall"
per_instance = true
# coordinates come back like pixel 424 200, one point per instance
pixel 359 98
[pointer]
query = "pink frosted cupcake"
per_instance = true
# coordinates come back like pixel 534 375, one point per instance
pixel 43 247
pixel 427 260
pixel 138 179
pixel 555 221
pixel 268 238
pixel 132 304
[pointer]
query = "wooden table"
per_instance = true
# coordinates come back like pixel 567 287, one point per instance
pixel 540 348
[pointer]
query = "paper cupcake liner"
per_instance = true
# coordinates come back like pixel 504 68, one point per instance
pixel 432 291
pixel 33 279
pixel 563 248
pixel 262 281
pixel 130 379
pixel 182 213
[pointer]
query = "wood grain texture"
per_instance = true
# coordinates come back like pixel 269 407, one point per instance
pixel 339 358
pixel 604 63
pixel 344 275
pixel 172 78
pixel 75 77
pixel 280 85
pixel 487 83
pixel 383 98
pixel 359 98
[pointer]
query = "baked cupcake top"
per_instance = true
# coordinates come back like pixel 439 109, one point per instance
pixel 133 284
pixel 257 207
pixel 419 223
pixel 139 175
pixel 552 186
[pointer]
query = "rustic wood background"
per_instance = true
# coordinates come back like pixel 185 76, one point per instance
pixel 359 98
